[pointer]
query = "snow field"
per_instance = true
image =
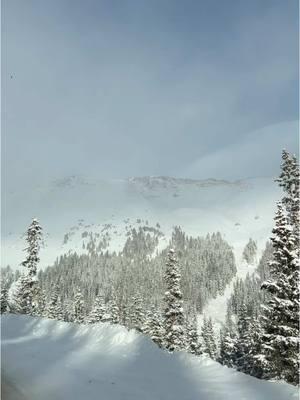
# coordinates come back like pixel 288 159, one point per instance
pixel 46 359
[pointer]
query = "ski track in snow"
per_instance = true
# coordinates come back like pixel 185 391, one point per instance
pixel 51 360
pixel 216 308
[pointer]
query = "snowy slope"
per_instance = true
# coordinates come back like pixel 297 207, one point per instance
pixel 216 308
pixel 49 360
pixel 75 205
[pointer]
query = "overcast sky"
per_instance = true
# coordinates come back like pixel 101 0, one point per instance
pixel 117 88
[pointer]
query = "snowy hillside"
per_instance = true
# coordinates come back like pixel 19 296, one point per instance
pixel 46 359
pixel 71 208
pixel 216 308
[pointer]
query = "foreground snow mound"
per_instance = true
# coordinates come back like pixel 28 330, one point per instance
pixel 44 359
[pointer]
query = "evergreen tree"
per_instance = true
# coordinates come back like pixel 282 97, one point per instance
pixel 209 339
pixel 256 367
pixel 228 339
pixel 174 318
pixel 289 180
pixel 280 345
pixel 250 250
pixel 54 308
pixel 192 339
pixel 79 308
pixel 263 268
pixel 98 311
pixel 4 298
pixel 137 314
pixel 28 281
pixel 153 326
pixel 280 319
pixel 242 345
pixel 40 300
pixel 113 312
pixel 23 295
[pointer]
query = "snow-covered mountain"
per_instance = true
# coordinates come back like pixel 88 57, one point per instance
pixel 47 359
pixel 71 208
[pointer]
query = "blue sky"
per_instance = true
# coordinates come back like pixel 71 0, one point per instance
pixel 122 88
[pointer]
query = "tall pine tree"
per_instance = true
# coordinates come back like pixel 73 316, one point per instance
pixel 280 319
pixel 27 285
pixel 174 317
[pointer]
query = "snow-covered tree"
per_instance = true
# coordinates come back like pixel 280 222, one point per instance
pixel 193 345
pixel 242 345
pixel 255 362
pixel 212 343
pixel 250 250
pixel 112 312
pixel 137 315
pixel 208 337
pixel 53 309
pixel 98 311
pixel 4 298
pixel 40 301
pixel 79 308
pixel 26 293
pixel 289 180
pixel 228 339
pixel 153 326
pixel 174 317
pixel 280 319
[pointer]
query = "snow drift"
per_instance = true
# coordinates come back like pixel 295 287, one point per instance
pixel 47 359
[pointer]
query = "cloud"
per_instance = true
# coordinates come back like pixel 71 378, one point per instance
pixel 140 88
pixel 256 154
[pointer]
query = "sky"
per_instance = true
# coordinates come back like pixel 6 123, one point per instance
pixel 112 89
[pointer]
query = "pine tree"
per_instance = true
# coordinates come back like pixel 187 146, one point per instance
pixel 242 345
pixel 40 301
pixel 98 311
pixel 27 283
pixel 79 308
pixel 227 347
pixel 23 295
pixel 208 337
pixel 255 362
pixel 289 180
pixel 137 316
pixel 153 326
pixel 192 339
pixel 250 250
pixel 4 298
pixel 54 308
pixel 112 312
pixel 280 346
pixel 228 339
pixel 174 318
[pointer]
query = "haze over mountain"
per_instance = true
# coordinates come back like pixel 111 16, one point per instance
pixel 74 205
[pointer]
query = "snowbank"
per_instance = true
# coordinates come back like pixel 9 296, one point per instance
pixel 49 360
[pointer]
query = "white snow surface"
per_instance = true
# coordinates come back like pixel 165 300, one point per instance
pixel 45 359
